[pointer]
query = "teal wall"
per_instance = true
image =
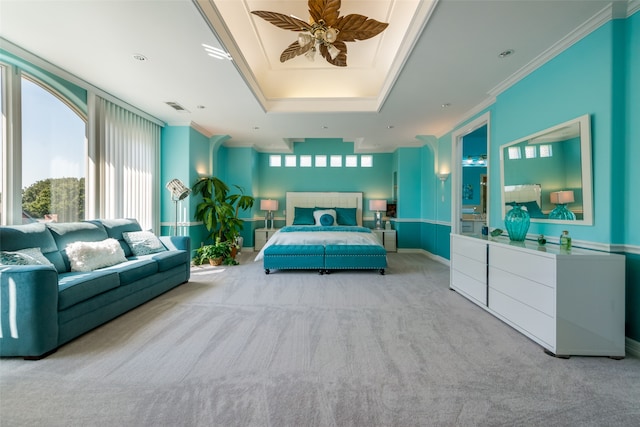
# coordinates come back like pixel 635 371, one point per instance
pixel 73 93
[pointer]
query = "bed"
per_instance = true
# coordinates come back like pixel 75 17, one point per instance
pixel 323 232
pixel 527 195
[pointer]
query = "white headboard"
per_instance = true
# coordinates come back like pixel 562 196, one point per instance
pixel 523 193
pixel 323 199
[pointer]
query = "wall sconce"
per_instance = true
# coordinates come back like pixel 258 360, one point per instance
pixel 561 199
pixel 269 206
pixel 443 176
pixel 378 205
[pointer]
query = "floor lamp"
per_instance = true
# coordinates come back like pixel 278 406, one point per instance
pixel 179 191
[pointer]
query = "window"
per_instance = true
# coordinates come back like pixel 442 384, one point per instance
pixel 275 160
pixel 53 156
pixel 336 161
pixel 546 151
pixel 305 161
pixel 366 161
pixel 290 161
pixel 530 152
pixel 514 153
pixel 351 161
pixel 321 161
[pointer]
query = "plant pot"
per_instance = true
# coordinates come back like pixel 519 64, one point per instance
pixel 216 261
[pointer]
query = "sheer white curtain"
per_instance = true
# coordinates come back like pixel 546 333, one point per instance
pixel 124 165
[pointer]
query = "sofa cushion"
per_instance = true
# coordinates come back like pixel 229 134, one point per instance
pixel 115 228
pixel 134 269
pixel 89 256
pixel 36 235
pixel 143 242
pixel 76 287
pixel 170 259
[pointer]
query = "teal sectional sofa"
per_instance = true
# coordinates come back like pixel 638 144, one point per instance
pixel 44 306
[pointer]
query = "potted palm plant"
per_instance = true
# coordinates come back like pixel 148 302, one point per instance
pixel 219 209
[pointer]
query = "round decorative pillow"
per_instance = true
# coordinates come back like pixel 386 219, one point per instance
pixel 326 219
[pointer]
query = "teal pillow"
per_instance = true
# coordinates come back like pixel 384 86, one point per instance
pixel 326 220
pixel 304 216
pixel 346 216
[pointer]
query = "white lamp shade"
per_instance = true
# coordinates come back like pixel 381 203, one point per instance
pixel 377 205
pixel 268 205
pixel 178 190
pixel 562 197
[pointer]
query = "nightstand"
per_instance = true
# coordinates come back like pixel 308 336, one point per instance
pixel 261 236
pixel 387 238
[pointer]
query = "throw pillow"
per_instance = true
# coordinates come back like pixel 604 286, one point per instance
pixel 326 220
pixel 89 256
pixel 318 214
pixel 143 242
pixel 303 216
pixel 29 256
pixel 346 216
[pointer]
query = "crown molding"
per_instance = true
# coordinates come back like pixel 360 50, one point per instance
pixel 632 7
pixel 600 18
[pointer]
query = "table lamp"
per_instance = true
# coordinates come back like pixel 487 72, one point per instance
pixel 561 199
pixel 269 206
pixel 377 206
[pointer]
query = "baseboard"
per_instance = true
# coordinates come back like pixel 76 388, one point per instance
pixel 428 254
pixel 632 347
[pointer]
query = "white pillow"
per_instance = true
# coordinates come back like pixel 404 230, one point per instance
pixel 29 256
pixel 318 213
pixel 143 242
pixel 89 256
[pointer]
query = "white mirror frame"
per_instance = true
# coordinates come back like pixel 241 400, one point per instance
pixel 586 169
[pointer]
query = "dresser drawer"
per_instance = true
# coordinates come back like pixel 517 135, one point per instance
pixel 469 286
pixel 534 267
pixel 533 294
pixel 473 249
pixel 533 323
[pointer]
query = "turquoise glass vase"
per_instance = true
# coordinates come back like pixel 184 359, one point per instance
pixel 561 212
pixel 517 221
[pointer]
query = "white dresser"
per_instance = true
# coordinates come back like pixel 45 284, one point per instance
pixel 571 303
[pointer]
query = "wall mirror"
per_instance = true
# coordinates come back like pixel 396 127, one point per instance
pixel 549 173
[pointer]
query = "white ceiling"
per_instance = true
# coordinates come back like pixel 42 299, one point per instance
pixel 454 60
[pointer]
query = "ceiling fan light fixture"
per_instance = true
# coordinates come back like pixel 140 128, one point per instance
pixel 311 54
pixel 333 51
pixel 304 39
pixel 331 35
pixel 325 29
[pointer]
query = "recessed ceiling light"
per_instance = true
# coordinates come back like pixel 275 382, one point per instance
pixel 506 53
pixel 201 107
pixel 325 127
pixel 390 127
pixel 446 105
pixel 139 57
pixel 256 127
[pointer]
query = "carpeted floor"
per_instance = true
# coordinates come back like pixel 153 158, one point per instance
pixel 235 347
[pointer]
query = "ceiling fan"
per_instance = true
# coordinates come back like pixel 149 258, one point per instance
pixel 326 31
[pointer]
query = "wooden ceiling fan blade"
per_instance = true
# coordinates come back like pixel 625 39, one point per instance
pixel 283 21
pixel 293 50
pixel 326 10
pixel 358 27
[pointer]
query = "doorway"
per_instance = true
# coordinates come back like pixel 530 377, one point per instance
pixel 464 192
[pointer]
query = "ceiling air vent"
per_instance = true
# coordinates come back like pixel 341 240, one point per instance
pixel 179 108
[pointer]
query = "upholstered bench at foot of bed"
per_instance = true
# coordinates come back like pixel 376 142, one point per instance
pixel 296 257
pixel 355 257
